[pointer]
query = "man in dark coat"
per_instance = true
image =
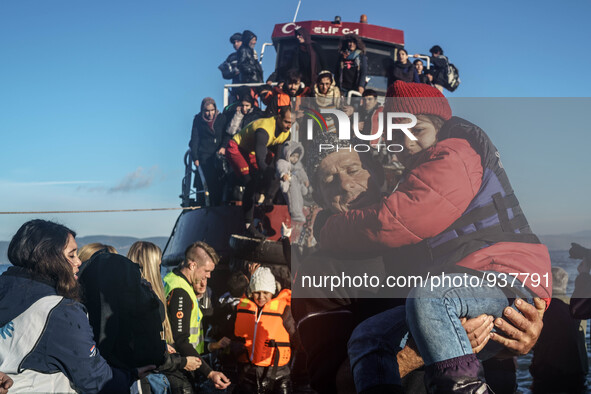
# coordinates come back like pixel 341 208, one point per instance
pixel 207 143
pixel 248 64
pixel 229 68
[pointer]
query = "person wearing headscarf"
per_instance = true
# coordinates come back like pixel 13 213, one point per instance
pixel 207 142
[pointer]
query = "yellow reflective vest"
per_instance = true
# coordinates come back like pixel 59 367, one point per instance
pixel 173 281
pixel 245 139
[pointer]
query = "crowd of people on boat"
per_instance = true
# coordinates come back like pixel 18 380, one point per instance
pixel 91 320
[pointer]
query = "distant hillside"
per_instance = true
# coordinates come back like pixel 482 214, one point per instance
pixel 122 244
pixel 563 241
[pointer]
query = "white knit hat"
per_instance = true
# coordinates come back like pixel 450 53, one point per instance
pixel 263 280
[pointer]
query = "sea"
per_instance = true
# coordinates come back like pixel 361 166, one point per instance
pixel 524 379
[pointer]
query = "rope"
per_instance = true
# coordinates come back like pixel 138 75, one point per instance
pixel 98 211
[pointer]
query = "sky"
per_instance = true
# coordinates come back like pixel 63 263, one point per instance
pixel 97 97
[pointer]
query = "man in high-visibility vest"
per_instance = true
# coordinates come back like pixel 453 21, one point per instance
pixel 183 308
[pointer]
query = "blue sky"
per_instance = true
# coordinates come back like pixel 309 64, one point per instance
pixel 97 98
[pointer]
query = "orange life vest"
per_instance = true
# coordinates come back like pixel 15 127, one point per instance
pixel 267 340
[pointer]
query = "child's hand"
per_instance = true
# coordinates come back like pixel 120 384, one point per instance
pixel 285 178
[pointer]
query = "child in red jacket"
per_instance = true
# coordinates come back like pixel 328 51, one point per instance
pixel 456 200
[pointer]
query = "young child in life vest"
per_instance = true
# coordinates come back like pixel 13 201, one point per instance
pixel 265 323
pixel 455 201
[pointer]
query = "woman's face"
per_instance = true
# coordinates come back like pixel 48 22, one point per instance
pixel 352 45
pixel 402 56
pixel 419 67
pixel 71 253
pixel 209 112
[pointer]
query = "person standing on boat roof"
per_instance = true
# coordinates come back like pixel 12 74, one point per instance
pixel 229 67
pixel 352 65
pixel 249 155
pixel 308 57
pixel 183 308
pixel 248 65
pixel 207 145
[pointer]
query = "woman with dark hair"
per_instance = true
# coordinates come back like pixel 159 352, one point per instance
pixel 308 57
pixel 423 76
pixel 45 330
pixel 352 66
pixel 403 69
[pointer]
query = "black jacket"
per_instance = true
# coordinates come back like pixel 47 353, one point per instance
pixel 248 65
pixel 206 141
pixel 123 311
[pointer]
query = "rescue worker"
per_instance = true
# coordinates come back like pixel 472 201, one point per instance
pixel 183 308
pixel 249 155
pixel 266 325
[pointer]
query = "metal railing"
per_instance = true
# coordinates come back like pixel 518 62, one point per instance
pixel 238 85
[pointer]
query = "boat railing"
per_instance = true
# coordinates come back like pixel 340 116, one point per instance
pixel 186 188
pixel 239 85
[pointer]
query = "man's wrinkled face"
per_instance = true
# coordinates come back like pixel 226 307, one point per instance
pixel 345 183
pixel 324 85
pixel 300 38
pixel 253 42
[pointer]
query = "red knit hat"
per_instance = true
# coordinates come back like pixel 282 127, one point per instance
pixel 416 99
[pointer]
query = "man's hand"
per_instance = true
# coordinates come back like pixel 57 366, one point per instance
pixel 196 163
pixel 478 330
pixel 348 110
pixel 192 363
pixel 361 89
pixel 221 344
pixel 220 381
pixel 170 349
pixel 523 329
pixel 222 151
pixel 5 383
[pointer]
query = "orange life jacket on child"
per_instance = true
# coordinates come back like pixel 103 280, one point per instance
pixel 267 340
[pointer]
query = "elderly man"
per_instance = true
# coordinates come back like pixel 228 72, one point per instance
pixel 346 180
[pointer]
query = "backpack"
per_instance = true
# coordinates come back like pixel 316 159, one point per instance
pixel 453 78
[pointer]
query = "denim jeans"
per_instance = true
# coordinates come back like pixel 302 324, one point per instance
pixel 433 318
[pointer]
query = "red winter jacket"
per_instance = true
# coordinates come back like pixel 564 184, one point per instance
pixel 433 195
